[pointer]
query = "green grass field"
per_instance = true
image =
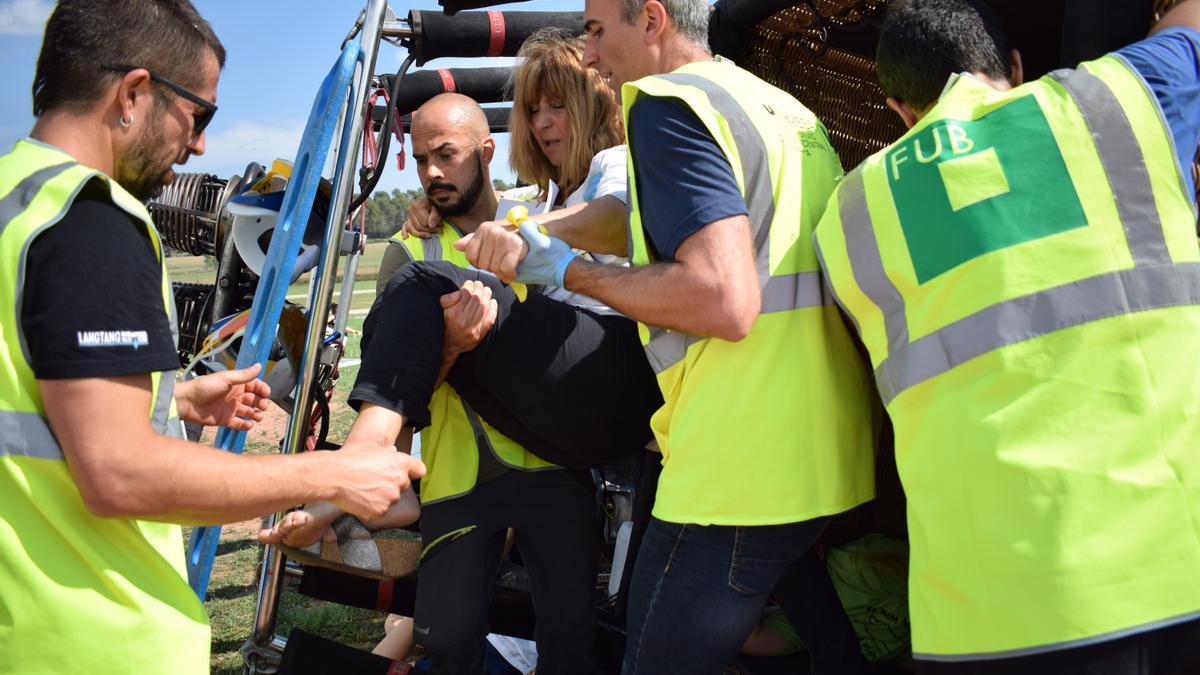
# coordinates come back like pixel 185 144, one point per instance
pixel 232 588
pixel 202 269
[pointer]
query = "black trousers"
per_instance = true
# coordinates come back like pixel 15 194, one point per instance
pixel 552 514
pixel 1174 650
pixel 567 384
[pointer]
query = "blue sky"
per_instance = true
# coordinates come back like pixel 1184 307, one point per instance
pixel 278 53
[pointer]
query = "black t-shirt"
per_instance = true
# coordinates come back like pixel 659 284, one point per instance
pixel 93 302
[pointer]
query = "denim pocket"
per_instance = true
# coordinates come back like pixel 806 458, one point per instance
pixel 756 564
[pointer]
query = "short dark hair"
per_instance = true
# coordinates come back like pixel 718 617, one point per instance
pixel 167 37
pixel 924 42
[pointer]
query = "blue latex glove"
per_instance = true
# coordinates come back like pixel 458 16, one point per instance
pixel 547 260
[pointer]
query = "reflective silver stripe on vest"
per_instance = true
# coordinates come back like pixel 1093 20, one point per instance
pixel 432 248
pixel 866 261
pixel 25 434
pixel 667 347
pixel 1123 162
pixel 792 291
pixel 21 196
pixel 760 194
pixel 1037 314
pixel 159 420
pixel 159 415
pixel 1154 283
pixel 779 294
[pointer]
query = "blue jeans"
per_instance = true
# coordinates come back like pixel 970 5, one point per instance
pixel 698 591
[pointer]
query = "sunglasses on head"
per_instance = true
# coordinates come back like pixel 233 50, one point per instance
pixel 200 119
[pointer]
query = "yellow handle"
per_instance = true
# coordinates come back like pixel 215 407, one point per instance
pixel 515 216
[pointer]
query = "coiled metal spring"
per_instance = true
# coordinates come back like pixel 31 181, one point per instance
pixel 186 213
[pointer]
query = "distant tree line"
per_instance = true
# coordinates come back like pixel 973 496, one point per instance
pixel 386 211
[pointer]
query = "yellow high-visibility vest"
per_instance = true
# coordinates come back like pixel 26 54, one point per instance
pixel 1022 267
pixel 778 427
pixel 80 593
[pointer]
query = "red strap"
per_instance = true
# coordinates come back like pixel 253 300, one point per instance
pixel 496 43
pixel 400 667
pixel 447 80
pixel 383 595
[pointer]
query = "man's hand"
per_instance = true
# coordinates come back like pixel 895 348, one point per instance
pixel 469 313
pixel 232 398
pixel 423 220
pixel 371 476
pixel 495 247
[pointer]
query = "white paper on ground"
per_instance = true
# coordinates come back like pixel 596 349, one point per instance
pixel 520 654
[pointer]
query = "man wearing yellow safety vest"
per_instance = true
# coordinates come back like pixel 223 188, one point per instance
pixel 1022 266
pixel 94 474
pixel 767 426
pixel 480 483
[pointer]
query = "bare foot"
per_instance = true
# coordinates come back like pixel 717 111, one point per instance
pixel 298 529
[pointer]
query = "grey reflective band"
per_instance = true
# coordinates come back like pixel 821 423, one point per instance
pixel 432 248
pixel 865 261
pixel 21 196
pixel 793 291
pixel 1058 646
pixel 667 347
pixel 1162 119
pixel 160 413
pixel 25 434
pixel 779 294
pixel 1034 315
pixel 1123 161
pixel 752 153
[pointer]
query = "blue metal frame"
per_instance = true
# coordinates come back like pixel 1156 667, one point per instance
pixel 272 288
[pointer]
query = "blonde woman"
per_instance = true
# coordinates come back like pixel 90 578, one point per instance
pixel 560 373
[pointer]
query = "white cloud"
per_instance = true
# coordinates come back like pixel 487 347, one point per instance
pixel 24 17
pixel 229 150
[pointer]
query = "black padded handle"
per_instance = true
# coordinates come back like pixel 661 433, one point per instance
pixel 476 34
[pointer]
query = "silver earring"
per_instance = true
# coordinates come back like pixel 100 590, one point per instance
pixel 125 123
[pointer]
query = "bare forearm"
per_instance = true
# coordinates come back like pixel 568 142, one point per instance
pixel 710 289
pixel 1186 14
pixel 597 226
pixel 181 482
pixel 662 294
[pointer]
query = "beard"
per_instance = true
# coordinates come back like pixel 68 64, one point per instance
pixel 467 198
pixel 141 171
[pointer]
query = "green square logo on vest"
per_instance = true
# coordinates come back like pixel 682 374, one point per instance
pixel 963 188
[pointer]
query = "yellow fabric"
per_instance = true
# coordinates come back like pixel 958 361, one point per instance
pixel 778 427
pixel 81 594
pixel 448 446
pixel 1053 483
